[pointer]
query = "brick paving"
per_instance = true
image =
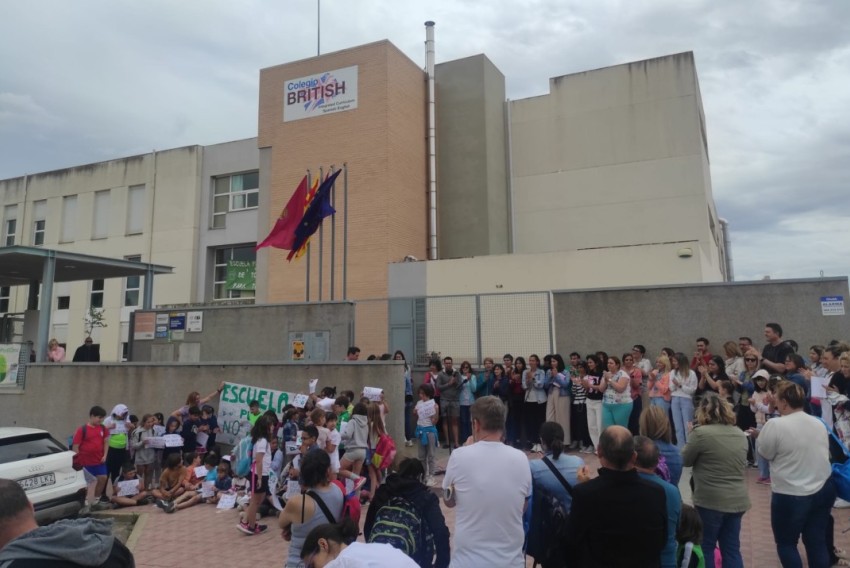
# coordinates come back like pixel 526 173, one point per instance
pixel 176 539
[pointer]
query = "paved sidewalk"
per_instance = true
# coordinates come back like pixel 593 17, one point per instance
pixel 171 540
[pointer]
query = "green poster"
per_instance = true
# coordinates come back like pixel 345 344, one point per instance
pixel 241 274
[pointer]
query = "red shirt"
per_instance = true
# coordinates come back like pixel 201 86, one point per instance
pixel 695 362
pixel 91 448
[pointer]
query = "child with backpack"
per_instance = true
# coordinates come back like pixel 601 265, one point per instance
pixel 427 414
pixel 406 515
pixel 90 444
pixel 689 537
pixel 381 449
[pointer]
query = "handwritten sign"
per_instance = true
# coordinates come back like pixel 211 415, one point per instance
pixel 128 488
pixel 313 383
pixel 208 489
pixel 226 501
pixel 201 472
pixel 373 393
pixel 156 442
pixel 300 400
pixel 173 440
pixel 201 439
pixel 233 409
pixel 427 409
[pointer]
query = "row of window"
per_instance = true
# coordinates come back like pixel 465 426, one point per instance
pixel 100 218
pixel 230 193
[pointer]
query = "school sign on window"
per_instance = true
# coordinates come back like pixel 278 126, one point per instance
pixel 233 408
pixel 241 274
pixel 316 95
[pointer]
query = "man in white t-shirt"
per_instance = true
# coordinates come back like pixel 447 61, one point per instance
pixel 489 483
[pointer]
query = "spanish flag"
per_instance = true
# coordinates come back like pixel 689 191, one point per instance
pixel 310 195
pixel 282 235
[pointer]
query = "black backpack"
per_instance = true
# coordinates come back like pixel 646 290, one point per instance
pixel 400 524
pixel 547 535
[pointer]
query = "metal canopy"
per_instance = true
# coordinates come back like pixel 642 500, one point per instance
pixel 21 265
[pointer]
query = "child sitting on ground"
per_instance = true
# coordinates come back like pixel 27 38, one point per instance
pixel 191 482
pixel 137 496
pixel 223 482
pixel 170 483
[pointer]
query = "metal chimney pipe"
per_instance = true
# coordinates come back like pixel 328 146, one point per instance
pixel 727 250
pixel 432 142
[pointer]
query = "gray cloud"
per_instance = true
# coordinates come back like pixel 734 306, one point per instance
pixel 89 81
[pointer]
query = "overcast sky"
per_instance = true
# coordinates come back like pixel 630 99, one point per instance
pixel 86 81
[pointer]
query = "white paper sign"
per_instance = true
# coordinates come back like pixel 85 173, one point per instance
pixel 373 393
pixel 194 322
pixel 227 501
pixel 155 442
pixel 427 409
pixel 313 383
pixel 128 488
pixel 201 472
pixel 233 409
pixel 208 489
pixel 300 400
pixel 201 439
pixel 173 440
pixel 161 319
pixel 293 488
pixel 819 386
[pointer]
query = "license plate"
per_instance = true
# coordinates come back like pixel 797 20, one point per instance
pixel 37 481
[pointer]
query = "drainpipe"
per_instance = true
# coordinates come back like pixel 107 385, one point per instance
pixel 727 250
pixel 432 143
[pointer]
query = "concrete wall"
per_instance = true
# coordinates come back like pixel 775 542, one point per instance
pixel 252 333
pixel 471 158
pixel 240 228
pixel 57 397
pixel 597 268
pixel 615 157
pixel 674 316
pixel 169 235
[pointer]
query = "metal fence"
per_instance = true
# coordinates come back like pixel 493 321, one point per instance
pixel 467 328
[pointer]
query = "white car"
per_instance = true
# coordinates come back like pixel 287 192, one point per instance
pixel 43 467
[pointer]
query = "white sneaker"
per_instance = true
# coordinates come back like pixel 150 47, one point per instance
pixel 430 481
pixel 409 443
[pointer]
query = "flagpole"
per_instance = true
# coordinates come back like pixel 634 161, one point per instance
pixel 307 285
pixel 345 231
pixel 333 240
pixel 321 243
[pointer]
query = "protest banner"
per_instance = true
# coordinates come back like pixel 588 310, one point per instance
pixel 233 408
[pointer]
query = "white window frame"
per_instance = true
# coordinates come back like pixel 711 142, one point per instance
pixel 230 294
pixel 39 226
pixel 10 225
pixel 101 292
pixel 233 196
pixel 137 288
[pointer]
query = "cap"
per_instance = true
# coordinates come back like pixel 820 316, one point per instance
pixel 761 373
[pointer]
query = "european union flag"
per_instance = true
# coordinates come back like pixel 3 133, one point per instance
pixel 319 208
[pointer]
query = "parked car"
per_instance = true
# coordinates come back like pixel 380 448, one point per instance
pixel 43 467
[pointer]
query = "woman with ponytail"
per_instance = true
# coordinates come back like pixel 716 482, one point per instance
pixel 552 443
pixel 335 545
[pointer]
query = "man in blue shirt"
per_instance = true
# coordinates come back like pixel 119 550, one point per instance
pixel 647 460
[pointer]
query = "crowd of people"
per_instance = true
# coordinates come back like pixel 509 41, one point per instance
pixel 313 467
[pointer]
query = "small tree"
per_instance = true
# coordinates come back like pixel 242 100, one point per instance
pixel 94 319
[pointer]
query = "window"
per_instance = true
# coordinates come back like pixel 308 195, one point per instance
pixel 234 193
pixel 10 225
pixel 69 219
pixel 100 223
pixel 132 285
pixel 221 290
pixel 135 209
pixel 39 222
pixel 125 350
pixel 5 292
pixel 63 302
pixel 96 297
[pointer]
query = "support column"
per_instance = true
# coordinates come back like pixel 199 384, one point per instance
pixel 48 272
pixel 147 293
pixel 32 298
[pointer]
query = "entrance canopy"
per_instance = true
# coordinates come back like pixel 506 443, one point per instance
pixel 29 266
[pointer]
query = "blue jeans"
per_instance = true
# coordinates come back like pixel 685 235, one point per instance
pixel 764 465
pixel 465 424
pixel 659 401
pixel 683 412
pixel 791 516
pixel 722 529
pixel 409 421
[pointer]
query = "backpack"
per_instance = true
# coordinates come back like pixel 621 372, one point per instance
pixel 384 453
pixel 243 457
pixel 351 507
pixel 75 461
pixel 399 524
pixel 839 455
pixel 547 535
